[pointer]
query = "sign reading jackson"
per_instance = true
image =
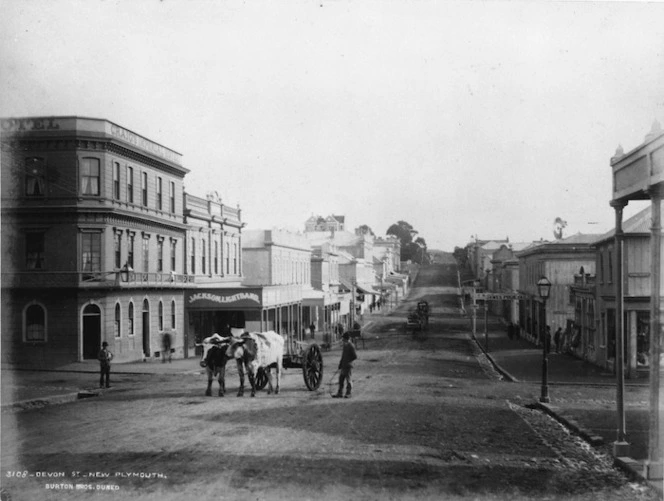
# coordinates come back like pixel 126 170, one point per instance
pixel 210 299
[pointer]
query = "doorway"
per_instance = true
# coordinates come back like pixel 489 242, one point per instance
pixel 91 331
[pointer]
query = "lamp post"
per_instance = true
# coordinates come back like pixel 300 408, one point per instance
pixel 543 289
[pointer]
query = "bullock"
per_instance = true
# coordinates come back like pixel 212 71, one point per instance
pixel 214 360
pixel 258 350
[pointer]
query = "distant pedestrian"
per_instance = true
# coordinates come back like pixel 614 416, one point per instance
pixel 105 356
pixel 558 339
pixel 312 329
pixel 348 355
pixel 166 341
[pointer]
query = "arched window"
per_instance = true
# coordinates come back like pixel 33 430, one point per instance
pixel 130 319
pixel 118 320
pixel 35 324
pixel 161 316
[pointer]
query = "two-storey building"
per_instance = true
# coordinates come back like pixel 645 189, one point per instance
pixel 558 261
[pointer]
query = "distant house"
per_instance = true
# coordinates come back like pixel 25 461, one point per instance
pixel 329 223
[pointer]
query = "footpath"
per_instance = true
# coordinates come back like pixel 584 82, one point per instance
pixel 583 396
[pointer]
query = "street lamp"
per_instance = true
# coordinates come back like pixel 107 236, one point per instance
pixel 543 289
pixel 125 271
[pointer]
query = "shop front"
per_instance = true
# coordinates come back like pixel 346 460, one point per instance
pixel 254 309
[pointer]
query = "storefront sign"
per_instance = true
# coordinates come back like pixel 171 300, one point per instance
pixel 492 296
pixel 215 298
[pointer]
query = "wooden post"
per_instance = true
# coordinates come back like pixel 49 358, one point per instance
pixel 654 463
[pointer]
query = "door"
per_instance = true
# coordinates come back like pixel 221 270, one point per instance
pixel 91 331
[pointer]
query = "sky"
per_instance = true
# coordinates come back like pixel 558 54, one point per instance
pixel 464 119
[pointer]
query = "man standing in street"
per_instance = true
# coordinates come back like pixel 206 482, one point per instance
pixel 105 356
pixel 348 355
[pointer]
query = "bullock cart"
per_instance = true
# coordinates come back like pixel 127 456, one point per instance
pixel 299 355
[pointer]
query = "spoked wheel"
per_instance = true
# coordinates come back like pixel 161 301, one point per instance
pixel 261 378
pixel 312 367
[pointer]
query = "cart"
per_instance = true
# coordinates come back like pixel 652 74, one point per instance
pixel 299 355
pixel 414 322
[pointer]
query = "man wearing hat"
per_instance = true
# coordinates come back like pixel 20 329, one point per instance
pixel 105 356
pixel 348 354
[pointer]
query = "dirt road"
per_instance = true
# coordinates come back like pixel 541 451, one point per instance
pixel 428 420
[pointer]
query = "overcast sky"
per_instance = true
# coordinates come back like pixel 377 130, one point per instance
pixel 461 118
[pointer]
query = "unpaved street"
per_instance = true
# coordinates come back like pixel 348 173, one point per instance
pixel 428 420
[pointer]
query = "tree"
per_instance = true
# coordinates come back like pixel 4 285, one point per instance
pixel 365 230
pixel 413 250
pixel 461 256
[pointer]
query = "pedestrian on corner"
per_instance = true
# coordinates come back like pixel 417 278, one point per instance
pixel 558 339
pixel 547 339
pixel 105 356
pixel 348 355
pixel 166 342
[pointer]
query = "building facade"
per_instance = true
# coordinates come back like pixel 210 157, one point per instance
pixel 558 261
pixel 93 241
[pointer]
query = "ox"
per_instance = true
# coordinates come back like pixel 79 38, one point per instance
pixel 214 360
pixel 254 351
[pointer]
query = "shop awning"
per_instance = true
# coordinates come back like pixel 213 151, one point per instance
pixel 362 287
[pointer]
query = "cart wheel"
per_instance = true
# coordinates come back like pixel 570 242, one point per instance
pixel 261 379
pixel 312 367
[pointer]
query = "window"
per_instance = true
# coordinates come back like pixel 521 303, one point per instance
pixel 172 196
pixel 117 322
pixel 90 253
pixel 130 250
pixel 144 188
pixel 228 258
pixel 35 176
pixel 235 259
pixel 159 193
pixel 216 257
pixel 172 314
pixel 130 185
pixel 610 267
pixel 173 244
pixel 601 267
pixel 90 176
pixel 161 316
pixel 193 256
pixel 116 181
pixel 146 253
pixel 160 254
pixel 35 324
pixel 118 249
pixel 34 251
pixel 203 256
pixel 130 319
